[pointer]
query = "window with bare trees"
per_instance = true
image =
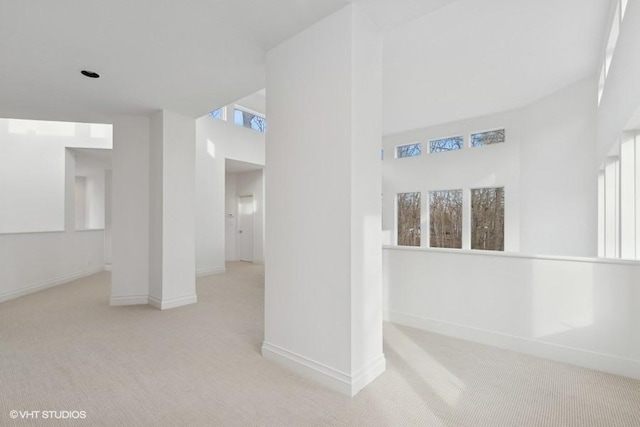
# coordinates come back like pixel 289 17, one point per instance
pixel 409 219
pixel 218 114
pixel 249 120
pixel 487 219
pixel 409 150
pixel 446 144
pixel 486 138
pixel 445 219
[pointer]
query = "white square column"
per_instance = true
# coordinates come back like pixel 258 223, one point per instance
pixel 323 292
pixel 130 211
pixel 153 211
pixel 172 267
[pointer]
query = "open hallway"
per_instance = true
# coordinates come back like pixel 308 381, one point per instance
pixel 65 348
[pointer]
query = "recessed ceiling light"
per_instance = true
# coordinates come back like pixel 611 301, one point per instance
pixel 90 74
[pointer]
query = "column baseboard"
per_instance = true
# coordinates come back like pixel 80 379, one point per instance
pixel 336 380
pixel 168 303
pixel 123 300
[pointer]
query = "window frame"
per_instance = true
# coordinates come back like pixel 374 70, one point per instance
pixel 493 129
pixel 253 113
pixel 418 143
pixel 430 140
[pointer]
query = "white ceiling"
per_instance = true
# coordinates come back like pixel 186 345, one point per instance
pixel 184 56
pixel 256 101
pixel 443 60
pixel 474 57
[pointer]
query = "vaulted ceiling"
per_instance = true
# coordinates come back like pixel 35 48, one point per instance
pixel 443 59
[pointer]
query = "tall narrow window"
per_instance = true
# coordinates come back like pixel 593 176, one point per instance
pixel 487 219
pixel 446 144
pixel 486 138
pixel 409 219
pixel 409 150
pixel 445 219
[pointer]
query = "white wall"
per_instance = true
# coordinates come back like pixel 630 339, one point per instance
pixel 217 140
pixel 38 187
pixel 558 177
pixel 244 184
pixel 622 88
pixel 30 262
pixel 32 170
pixel 545 165
pixel 584 311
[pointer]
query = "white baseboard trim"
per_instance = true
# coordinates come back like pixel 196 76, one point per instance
pixel 129 300
pixel 107 267
pixel 210 271
pixel 366 375
pixel 168 303
pixel 258 261
pixel 571 355
pixel 6 296
pixel 336 380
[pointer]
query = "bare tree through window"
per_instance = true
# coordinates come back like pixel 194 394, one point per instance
pixel 249 120
pixel 445 219
pixel 216 114
pixel 446 144
pixel 486 138
pixel 409 219
pixel 410 150
pixel 259 123
pixel 487 219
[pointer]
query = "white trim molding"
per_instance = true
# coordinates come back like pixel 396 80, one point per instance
pixel 565 354
pixel 6 296
pixel 168 303
pixel 336 380
pixel 123 300
pixel 210 271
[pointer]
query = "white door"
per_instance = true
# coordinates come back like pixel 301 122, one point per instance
pixel 245 228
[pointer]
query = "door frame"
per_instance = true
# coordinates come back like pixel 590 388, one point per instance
pixel 253 225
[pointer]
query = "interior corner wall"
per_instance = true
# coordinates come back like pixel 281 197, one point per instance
pixel 546 166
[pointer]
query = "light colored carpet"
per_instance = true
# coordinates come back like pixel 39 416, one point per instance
pixel 66 349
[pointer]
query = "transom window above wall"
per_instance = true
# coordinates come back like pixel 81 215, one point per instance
pixel 446 144
pixel 479 139
pixel 249 119
pixel 409 150
pixel 220 113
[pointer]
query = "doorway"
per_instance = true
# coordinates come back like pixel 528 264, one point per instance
pixel 245 228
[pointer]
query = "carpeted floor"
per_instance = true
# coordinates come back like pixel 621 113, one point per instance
pixel 200 365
